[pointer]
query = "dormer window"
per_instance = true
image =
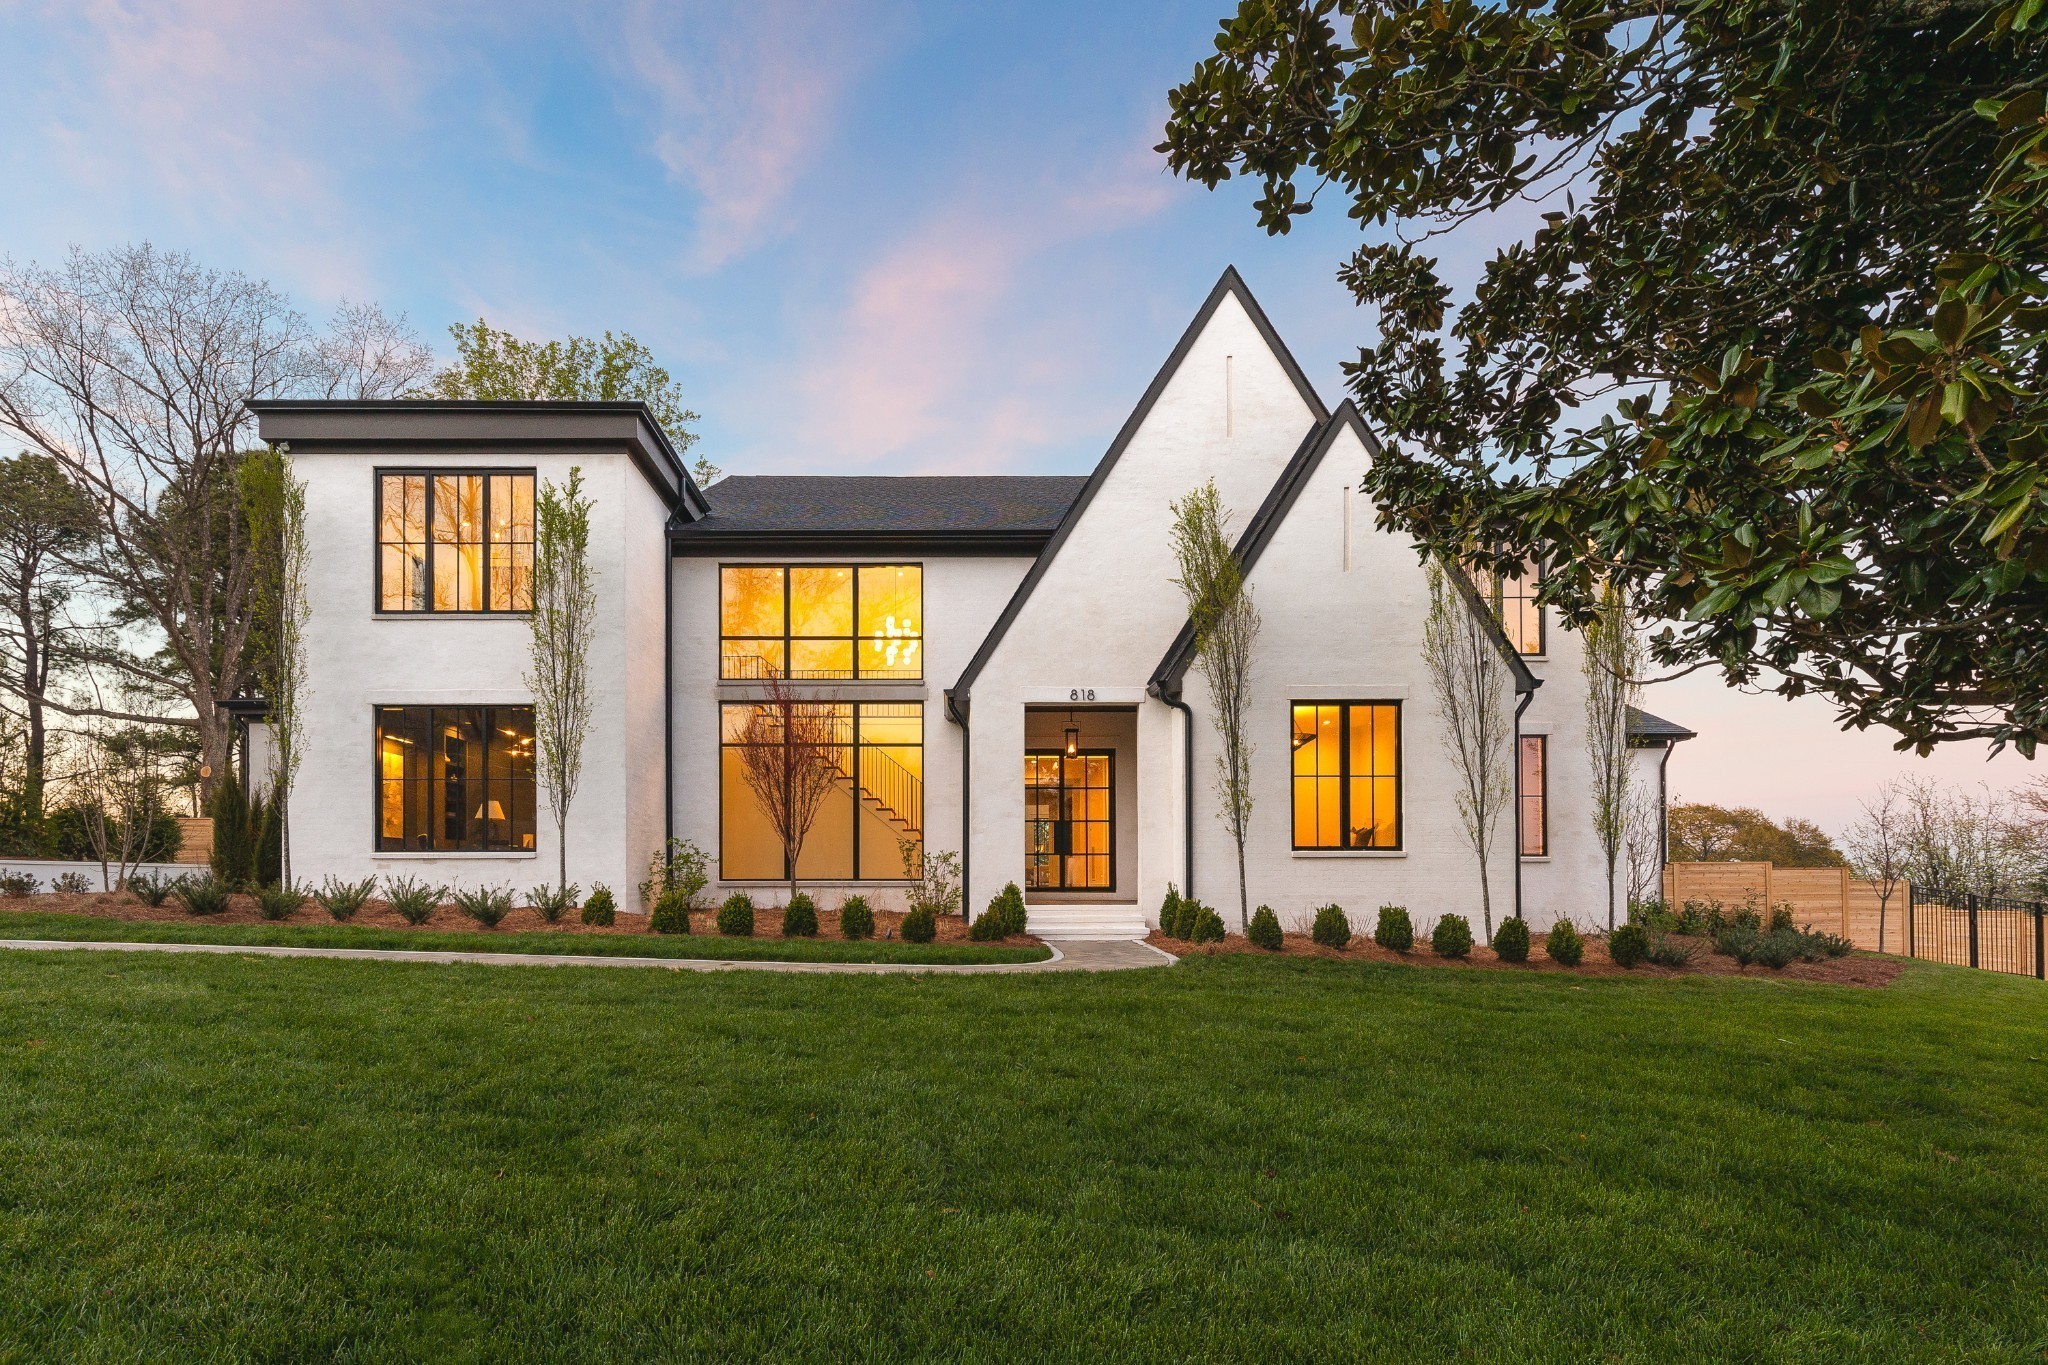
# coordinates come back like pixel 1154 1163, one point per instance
pixel 455 540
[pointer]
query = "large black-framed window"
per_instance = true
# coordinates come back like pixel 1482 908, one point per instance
pixel 870 827
pixel 455 779
pixel 455 540
pixel 821 622
pixel 1069 820
pixel 1533 784
pixel 1347 774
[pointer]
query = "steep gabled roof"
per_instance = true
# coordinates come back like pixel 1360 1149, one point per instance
pixel 1231 284
pixel 1258 533
pixel 1649 729
pixel 821 513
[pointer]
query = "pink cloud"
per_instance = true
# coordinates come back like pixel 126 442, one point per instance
pixel 934 356
pixel 744 100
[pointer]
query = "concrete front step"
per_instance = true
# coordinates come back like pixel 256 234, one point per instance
pixel 1080 922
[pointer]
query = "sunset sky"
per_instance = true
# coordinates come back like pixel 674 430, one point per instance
pixel 874 237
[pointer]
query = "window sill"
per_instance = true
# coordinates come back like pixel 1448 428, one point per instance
pixel 1535 857
pixel 467 855
pixel 1363 853
pixel 451 615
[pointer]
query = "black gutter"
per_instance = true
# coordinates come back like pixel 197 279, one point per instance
pixel 1516 755
pixel 668 704
pixel 695 541
pixel 1187 738
pixel 1664 807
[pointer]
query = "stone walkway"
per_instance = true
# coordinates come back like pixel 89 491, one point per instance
pixel 1070 956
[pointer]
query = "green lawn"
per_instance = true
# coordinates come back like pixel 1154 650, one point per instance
pixel 49 925
pixel 1232 1159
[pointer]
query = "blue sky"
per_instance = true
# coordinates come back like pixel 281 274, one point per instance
pixel 882 237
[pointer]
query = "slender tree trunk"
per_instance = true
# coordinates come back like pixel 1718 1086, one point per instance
pixel 1244 922
pixel 1486 901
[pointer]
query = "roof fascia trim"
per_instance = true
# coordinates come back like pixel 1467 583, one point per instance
pixel 1230 284
pixel 649 446
pixel 686 543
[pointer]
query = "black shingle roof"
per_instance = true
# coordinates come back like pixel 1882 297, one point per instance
pixel 784 510
pixel 1643 725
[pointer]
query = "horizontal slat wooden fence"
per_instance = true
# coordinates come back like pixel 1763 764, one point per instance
pixel 1994 933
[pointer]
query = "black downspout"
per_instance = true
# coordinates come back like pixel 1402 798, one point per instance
pixel 1187 736
pixel 1520 707
pixel 966 790
pixel 668 695
pixel 1664 810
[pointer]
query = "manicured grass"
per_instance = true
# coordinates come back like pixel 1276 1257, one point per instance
pixel 50 924
pixel 1236 1158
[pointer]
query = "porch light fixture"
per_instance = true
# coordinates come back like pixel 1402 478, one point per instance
pixel 1073 733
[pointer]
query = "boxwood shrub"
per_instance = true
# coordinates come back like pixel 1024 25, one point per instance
pixel 1452 936
pixel 919 926
pixel 1264 931
pixel 855 919
pixel 1563 944
pixel 1169 913
pixel 800 917
pixel 1332 928
pixel 1207 926
pixel 1629 945
pixel 600 909
pixel 671 912
pixel 736 916
pixel 1511 940
pixel 1394 930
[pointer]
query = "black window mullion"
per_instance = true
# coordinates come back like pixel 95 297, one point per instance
pixel 484 539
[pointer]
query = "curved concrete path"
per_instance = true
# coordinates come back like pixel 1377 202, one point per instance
pixel 1068 956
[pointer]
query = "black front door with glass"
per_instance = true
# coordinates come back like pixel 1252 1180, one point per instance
pixel 1069 820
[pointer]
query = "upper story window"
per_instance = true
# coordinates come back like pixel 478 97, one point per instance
pixel 1535 788
pixel 454 540
pixel 821 621
pixel 1513 598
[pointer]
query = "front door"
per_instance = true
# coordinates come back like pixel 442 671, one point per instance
pixel 1069 820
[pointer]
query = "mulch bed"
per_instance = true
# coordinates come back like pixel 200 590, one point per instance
pixel 375 914
pixel 1857 969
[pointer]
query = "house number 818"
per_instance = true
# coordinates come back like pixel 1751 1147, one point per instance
pixel 1081 694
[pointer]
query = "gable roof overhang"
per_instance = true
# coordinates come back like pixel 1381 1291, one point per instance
pixel 1646 731
pixel 1230 284
pixel 1258 533
pixel 466 425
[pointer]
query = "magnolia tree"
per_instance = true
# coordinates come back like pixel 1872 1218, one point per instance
pixel 1469 678
pixel 564 622
pixel 1226 634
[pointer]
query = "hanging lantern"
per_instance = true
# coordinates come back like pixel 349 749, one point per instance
pixel 1073 733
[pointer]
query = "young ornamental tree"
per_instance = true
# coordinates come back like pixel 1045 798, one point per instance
pixel 274 502
pixel 564 622
pixel 792 754
pixel 1613 664
pixel 1876 844
pixel 1226 634
pixel 1470 681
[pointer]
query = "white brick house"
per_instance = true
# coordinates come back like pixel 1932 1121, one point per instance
pixel 1006 656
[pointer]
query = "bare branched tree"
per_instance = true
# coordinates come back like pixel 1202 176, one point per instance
pixel 1643 844
pixel 274 503
pixel 792 754
pixel 118 795
pixel 1614 667
pixel 132 369
pixel 1470 681
pixel 1226 627
pixel 564 624
pixel 1876 845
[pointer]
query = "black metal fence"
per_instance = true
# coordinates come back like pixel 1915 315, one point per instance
pixel 1996 933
